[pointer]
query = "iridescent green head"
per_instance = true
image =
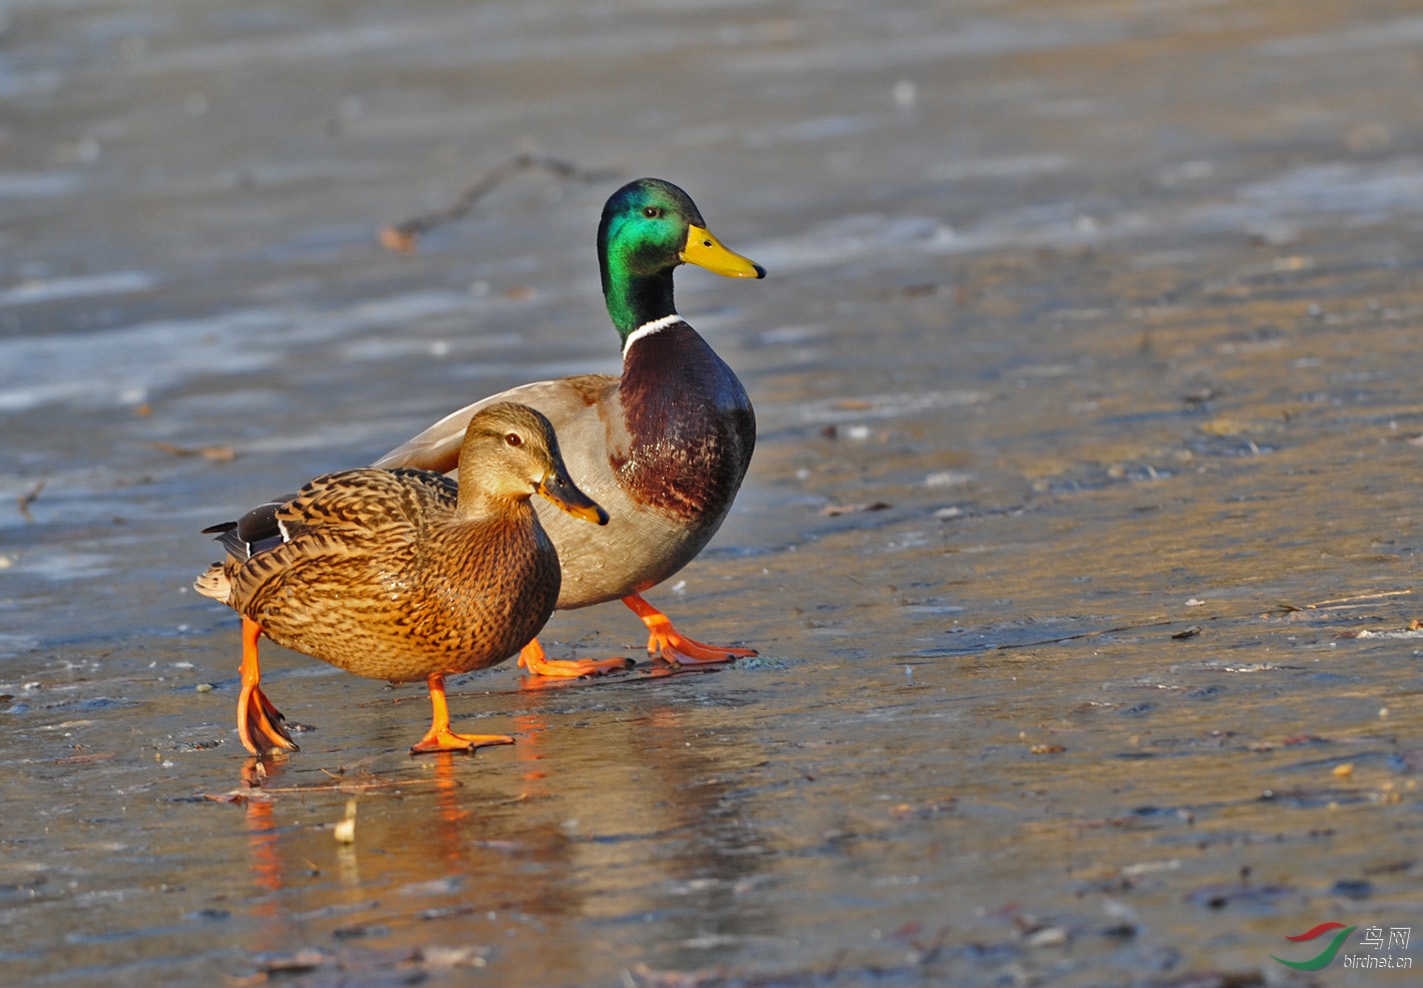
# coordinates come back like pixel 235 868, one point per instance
pixel 649 227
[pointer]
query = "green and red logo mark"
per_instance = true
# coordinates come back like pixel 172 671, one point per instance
pixel 1326 955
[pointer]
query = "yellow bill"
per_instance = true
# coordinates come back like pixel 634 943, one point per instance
pixel 705 251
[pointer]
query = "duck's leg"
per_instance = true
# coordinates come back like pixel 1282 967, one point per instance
pixel 675 647
pixel 439 737
pixel 259 722
pixel 531 657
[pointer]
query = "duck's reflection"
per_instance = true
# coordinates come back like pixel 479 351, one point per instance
pixel 263 851
pixel 611 812
pixel 261 830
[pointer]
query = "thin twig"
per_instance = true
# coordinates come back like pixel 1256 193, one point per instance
pixel 1084 634
pixel 1356 599
pixel 344 787
pixel 1337 604
pixel 401 237
pixel 25 500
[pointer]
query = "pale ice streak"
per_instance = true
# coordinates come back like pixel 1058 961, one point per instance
pixel 121 364
pixel 53 289
pixel 648 328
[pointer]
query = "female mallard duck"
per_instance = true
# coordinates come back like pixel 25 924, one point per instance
pixel 402 574
pixel 664 447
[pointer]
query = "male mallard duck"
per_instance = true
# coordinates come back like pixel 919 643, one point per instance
pixel 663 447
pixel 402 574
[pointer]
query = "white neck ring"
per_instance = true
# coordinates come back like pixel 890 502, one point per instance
pixel 648 328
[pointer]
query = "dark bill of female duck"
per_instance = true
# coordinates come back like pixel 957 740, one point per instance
pixel 705 251
pixel 560 490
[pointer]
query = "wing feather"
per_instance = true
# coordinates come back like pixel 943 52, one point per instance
pixel 438 447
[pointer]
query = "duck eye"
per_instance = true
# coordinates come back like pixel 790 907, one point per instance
pixel 514 439
pixel 651 212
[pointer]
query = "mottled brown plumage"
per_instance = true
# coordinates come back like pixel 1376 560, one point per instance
pixel 402 574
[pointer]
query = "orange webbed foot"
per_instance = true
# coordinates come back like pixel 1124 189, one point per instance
pixel 259 722
pixel 532 658
pixel 439 737
pixel 448 740
pixel 671 645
